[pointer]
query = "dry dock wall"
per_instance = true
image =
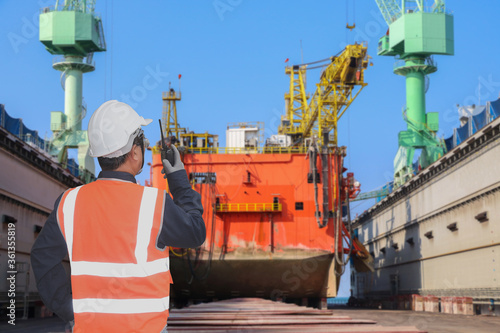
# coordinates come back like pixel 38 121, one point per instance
pixel 439 234
pixel 30 182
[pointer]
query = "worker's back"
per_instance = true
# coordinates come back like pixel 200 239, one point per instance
pixel 120 279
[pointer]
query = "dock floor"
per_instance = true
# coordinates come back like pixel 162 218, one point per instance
pixel 426 321
pixel 258 315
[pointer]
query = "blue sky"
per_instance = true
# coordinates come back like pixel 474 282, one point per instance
pixel 231 56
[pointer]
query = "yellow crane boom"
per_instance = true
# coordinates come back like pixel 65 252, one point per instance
pixel 340 83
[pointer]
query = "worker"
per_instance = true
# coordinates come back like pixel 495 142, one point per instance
pixel 116 234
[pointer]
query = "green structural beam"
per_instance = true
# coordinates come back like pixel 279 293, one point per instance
pixel 72 30
pixel 416 33
pixel 390 10
pixel 415 97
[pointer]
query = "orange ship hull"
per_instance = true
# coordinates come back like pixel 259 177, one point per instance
pixel 263 237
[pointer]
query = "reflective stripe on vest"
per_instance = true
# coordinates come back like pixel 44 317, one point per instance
pixel 120 306
pixel 103 287
pixel 108 269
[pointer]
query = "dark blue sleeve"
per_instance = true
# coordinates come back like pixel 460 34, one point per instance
pixel 52 280
pixel 183 224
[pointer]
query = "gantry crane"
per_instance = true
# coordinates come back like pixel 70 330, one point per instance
pixel 313 118
pixel 417 30
pixel 73 30
pixel 340 83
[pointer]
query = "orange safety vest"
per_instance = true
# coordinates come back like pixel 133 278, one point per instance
pixel 120 279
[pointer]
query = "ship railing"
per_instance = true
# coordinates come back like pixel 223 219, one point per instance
pixel 171 94
pixel 62 59
pixel 245 150
pixel 440 9
pixel 248 207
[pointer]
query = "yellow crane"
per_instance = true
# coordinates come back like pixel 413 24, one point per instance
pixel 340 83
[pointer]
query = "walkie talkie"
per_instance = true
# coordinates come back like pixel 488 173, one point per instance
pixel 166 152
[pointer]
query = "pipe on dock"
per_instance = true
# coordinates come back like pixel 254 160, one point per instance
pixel 326 182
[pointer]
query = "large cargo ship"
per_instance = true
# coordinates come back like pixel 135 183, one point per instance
pixel 273 209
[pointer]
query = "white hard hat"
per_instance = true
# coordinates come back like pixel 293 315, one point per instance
pixel 111 129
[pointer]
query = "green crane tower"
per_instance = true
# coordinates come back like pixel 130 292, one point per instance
pixel 417 30
pixel 71 29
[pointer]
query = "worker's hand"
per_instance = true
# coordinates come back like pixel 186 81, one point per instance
pixel 178 165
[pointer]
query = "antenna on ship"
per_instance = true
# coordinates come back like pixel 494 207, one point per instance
pixel 180 75
pixel 170 98
pixel 74 31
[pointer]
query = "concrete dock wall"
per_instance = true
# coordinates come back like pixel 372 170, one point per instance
pixel 30 182
pixel 439 234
